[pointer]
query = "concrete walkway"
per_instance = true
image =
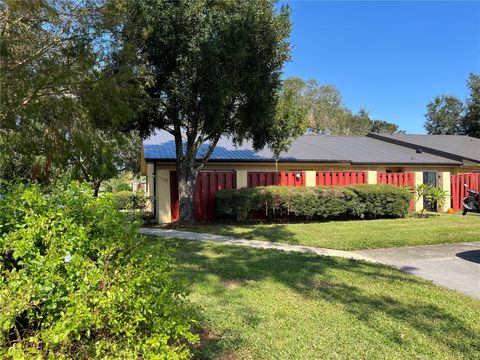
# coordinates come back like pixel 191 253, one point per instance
pixel 252 243
pixel 455 266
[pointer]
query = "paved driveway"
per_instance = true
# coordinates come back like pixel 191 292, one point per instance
pixel 456 266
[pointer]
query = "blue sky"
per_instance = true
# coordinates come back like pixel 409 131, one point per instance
pixel 391 57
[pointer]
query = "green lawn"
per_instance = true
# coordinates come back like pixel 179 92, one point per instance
pixel 354 235
pixel 266 304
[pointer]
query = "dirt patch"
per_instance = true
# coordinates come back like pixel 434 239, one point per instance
pixel 233 283
pixel 322 284
pixel 206 336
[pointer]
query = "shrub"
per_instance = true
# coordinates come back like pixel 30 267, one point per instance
pixel 123 187
pixel 239 203
pixel 376 201
pixel 129 200
pixel 74 285
pixel 314 202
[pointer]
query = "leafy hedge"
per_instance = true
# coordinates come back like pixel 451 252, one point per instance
pixel 129 200
pixel 361 201
pixel 74 284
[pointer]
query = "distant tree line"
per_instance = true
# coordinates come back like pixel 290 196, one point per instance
pixel 448 115
pixel 326 113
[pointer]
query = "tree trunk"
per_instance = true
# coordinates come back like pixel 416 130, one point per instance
pixel 187 177
pixel 96 187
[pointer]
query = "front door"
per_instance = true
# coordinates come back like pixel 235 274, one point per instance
pixel 429 178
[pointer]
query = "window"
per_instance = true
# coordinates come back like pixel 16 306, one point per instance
pixel 430 178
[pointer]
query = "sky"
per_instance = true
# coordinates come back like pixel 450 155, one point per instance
pixel 390 57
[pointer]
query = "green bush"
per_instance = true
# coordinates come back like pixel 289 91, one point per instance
pixel 123 187
pixel 129 200
pixel 75 285
pixel 377 201
pixel 370 201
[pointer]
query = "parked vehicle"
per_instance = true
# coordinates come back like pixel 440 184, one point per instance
pixel 471 203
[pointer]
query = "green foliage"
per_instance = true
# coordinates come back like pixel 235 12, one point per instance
pixel 327 114
pixel 471 120
pixel 211 68
pixel 290 116
pixel 370 201
pixel 378 201
pixel 129 200
pixel 435 197
pixel 74 285
pixel 444 115
pixel 383 127
pixel 123 187
pixel 120 183
pixel 448 115
pixel 61 82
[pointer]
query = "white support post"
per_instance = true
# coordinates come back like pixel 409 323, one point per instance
pixel 371 177
pixel 149 189
pixel 444 184
pixel 418 200
pixel 310 178
pixel 242 179
pixel 162 188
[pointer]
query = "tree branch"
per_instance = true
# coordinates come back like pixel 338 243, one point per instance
pixel 209 152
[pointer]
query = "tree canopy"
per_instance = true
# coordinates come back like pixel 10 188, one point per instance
pixel 444 115
pixel 448 115
pixel 470 123
pixel 213 68
pixel 61 87
pixel 327 114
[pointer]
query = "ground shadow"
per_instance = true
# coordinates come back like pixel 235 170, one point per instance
pixel 273 232
pixel 312 277
pixel 408 269
pixel 471 255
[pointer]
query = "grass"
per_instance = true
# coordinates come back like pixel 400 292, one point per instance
pixel 355 235
pixel 266 304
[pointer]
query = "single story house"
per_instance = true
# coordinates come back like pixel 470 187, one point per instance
pixel 431 158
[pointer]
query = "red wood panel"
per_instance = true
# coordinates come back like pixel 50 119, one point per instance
pixel 207 184
pixel 458 182
pixel 398 179
pixel 174 201
pixel 340 178
pixel 285 178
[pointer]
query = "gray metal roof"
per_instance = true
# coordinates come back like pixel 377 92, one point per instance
pixel 308 148
pixel 455 147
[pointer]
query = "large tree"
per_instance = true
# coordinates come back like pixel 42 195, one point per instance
pixel 62 88
pixel 448 115
pixel 212 68
pixel 444 115
pixel 327 114
pixel 471 121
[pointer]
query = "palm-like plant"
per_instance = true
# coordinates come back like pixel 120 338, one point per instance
pixel 421 192
pixel 436 197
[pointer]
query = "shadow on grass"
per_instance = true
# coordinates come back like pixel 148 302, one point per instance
pixel 312 277
pixel 267 232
